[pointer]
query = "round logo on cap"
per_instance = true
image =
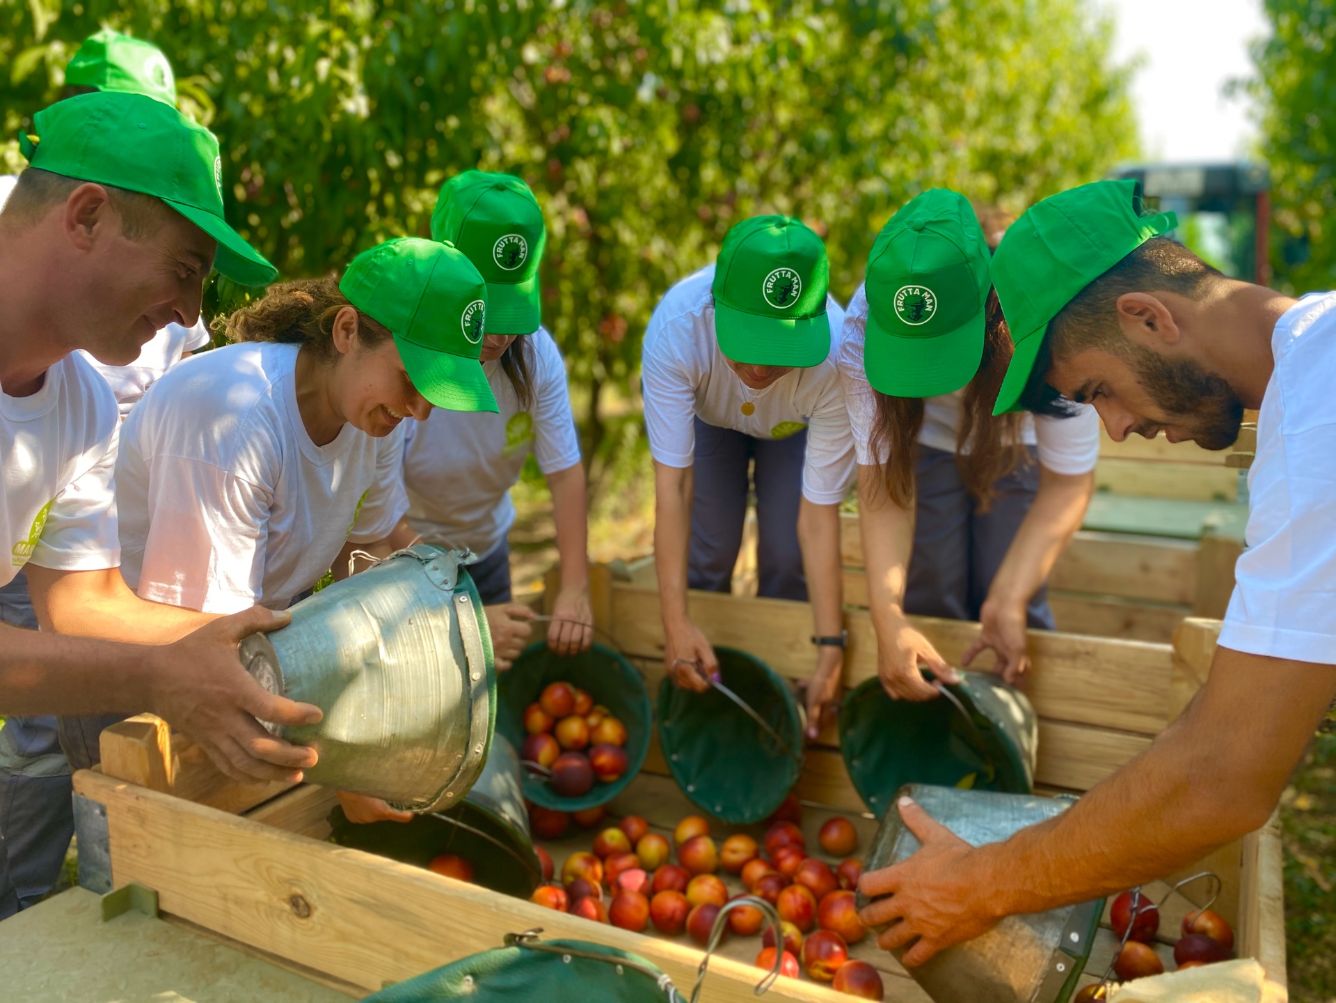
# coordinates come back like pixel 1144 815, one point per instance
pixel 158 69
pixel 782 287
pixel 510 251
pixel 471 321
pixel 915 305
pixel 218 174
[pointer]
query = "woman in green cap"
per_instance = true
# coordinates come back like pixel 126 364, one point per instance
pixel 985 505
pixel 459 468
pixel 252 469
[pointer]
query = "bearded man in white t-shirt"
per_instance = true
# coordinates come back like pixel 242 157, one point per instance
pixel 1105 309
pixel 102 243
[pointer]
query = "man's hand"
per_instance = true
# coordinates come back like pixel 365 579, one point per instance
pixel 572 628
pixel 361 809
pixel 1003 630
pixel 898 664
pixel 933 898
pixel 200 688
pixel 823 689
pixel 689 657
pixel 510 625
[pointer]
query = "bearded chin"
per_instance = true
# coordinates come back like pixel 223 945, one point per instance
pixel 1194 398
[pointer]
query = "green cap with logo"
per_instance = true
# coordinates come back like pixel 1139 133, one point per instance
pixel 434 302
pixel 495 220
pixel 110 61
pixel 770 286
pixel 1057 248
pixel 927 285
pixel 142 145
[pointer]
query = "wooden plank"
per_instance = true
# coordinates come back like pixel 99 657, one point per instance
pixel 144 751
pixel 364 919
pixel 303 810
pixel 1261 920
pixel 1216 557
pixel 1157 450
pixel 1120 564
pixel 1191 481
pixel 1112 616
pixel 1193 651
pixel 1175 518
pixel 1101 681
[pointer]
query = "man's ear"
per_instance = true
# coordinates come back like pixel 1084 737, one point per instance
pixel 345 329
pixel 1146 320
pixel 88 211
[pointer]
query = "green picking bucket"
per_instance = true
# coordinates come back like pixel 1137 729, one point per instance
pixel 607 677
pixel 736 750
pixel 489 828
pixel 1035 958
pixel 980 734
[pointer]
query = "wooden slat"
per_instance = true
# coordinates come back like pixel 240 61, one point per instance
pixel 1216 557
pixel 144 751
pixel 1112 616
pixel 1261 920
pixel 1167 480
pixel 361 918
pixel 1158 450
pixel 1119 564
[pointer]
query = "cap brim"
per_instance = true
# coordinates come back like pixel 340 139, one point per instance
pixel 802 342
pixel 235 259
pixel 514 307
pixel 1023 354
pixel 447 381
pixel 922 367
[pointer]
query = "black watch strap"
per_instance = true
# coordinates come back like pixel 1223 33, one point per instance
pixel 839 640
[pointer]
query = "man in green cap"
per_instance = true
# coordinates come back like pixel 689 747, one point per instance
pixel 1104 308
pixel 742 393
pixel 108 236
pixel 110 61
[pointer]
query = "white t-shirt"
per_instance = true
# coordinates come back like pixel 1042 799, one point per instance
pixel 1065 445
pixel 57 454
pixel 1284 601
pixel 224 499
pixel 162 352
pixel 684 375
pixel 459 467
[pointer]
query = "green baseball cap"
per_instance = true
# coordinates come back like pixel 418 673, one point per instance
pixel 142 145
pixel 110 61
pixel 927 285
pixel 770 294
pixel 495 220
pixel 434 302
pixel 1057 248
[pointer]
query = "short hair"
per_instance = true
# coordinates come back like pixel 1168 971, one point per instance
pixel 1089 320
pixel 37 191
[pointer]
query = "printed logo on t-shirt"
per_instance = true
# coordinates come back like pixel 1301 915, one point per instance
pixel 519 431
pixel 471 321
pixel 510 251
pixel 786 428
pixel 915 305
pixel 22 551
pixel 782 287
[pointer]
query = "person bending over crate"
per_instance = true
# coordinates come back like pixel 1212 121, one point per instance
pixel 1104 309
pixel 978 507
pixel 742 394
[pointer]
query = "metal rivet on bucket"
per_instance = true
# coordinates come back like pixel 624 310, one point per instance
pixel 566 959
pixel 620 970
pixel 1061 967
pixel 1076 937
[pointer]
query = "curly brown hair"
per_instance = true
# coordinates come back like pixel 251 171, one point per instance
pixel 300 312
pixel 994 442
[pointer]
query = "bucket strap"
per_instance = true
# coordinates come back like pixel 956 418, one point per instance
pixel 529 940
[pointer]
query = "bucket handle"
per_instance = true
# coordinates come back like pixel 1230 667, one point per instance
pixel 529 940
pixel 717 934
pixel 959 705
pixel 717 684
pixel 459 823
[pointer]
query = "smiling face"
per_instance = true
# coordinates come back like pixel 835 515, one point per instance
pixel 1141 391
pixel 369 387
pixel 758 377
pixel 134 284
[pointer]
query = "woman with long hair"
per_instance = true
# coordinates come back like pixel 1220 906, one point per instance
pixel 459 467
pixel 962 514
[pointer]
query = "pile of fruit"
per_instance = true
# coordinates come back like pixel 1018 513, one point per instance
pixel 1205 937
pixel 573 741
pixel 629 879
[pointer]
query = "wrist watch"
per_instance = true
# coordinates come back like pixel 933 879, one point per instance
pixel 839 640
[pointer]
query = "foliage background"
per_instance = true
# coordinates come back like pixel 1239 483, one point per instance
pixel 647 129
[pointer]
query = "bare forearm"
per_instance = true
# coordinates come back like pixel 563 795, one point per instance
pixel 887 532
pixel 1056 514
pixel 819 538
pixel 100 605
pixel 45 673
pixel 569 513
pixel 672 528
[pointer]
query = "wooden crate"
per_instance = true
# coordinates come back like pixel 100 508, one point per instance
pixel 267 879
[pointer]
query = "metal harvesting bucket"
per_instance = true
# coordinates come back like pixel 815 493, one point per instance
pixel 489 828
pixel 1024 959
pixel 400 661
